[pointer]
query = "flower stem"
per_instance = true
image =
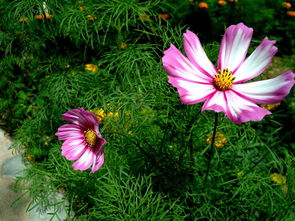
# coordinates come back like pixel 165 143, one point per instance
pixel 211 149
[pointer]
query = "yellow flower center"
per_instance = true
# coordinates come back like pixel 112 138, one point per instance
pixel 90 137
pixel 223 80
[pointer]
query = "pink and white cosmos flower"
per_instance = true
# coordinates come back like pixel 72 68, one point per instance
pixel 224 89
pixel 82 139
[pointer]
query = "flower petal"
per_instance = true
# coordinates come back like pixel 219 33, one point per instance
pixel 234 46
pixel 240 110
pixel 99 160
pixel 81 117
pixel 197 55
pixel 67 131
pixel 85 161
pixel 72 149
pixel 256 63
pixel 267 91
pixel 178 65
pixel 216 102
pixel 191 92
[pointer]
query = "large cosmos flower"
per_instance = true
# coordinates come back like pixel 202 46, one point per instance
pixel 83 141
pixel 224 89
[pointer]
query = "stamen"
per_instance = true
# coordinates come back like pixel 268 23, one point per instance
pixel 90 137
pixel 223 80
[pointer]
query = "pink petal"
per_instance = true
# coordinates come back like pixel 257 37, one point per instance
pixel 267 91
pixel 98 162
pixel 178 65
pixel 240 110
pixel 256 63
pixel 197 55
pixel 216 102
pixel 67 131
pixel 80 117
pixel 85 161
pixel 72 149
pixel 234 46
pixel 191 92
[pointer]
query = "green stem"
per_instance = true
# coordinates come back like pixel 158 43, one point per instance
pixel 211 149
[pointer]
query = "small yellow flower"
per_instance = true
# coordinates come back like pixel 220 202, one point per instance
pixel 129 132
pixel 90 17
pixel 123 45
pixel 286 4
pixel 82 8
pixel 222 2
pixel 144 17
pixel 240 174
pixel 91 67
pixel 270 106
pixel 39 17
pixel 203 5
pixel 48 16
pixel 278 178
pixel 110 114
pixel 233 0
pixel 291 13
pixel 67 66
pixel 23 20
pixel 99 113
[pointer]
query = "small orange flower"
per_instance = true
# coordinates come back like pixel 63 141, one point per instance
pixel 48 16
pixel 286 4
pixel 23 20
pixel 144 17
pixel 123 45
pixel 91 67
pixel 219 139
pixel 203 5
pixel 291 13
pixel 233 0
pixel 90 17
pixel 82 8
pixel 163 16
pixel 39 17
pixel 222 2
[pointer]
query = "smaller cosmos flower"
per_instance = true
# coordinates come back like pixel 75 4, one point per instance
pixel 82 140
